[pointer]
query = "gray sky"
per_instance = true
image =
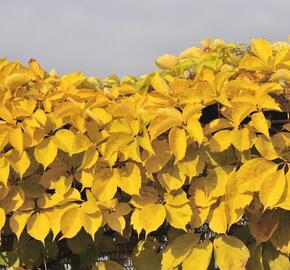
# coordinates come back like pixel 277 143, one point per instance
pixel 101 37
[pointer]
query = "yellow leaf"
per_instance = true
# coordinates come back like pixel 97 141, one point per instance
pixel 216 125
pixel 19 163
pixel 281 236
pixel 240 112
pixel 199 257
pixel 45 152
pixel 70 142
pixel 270 220
pixel 4 171
pixel 177 142
pixel 105 184
pixel 250 176
pixel 18 222
pixel 235 206
pixel 62 184
pixel 177 251
pixel 145 142
pixel 17 79
pixel 281 74
pixel 38 226
pixel 191 165
pixel 195 130
pixel 142 219
pixel 159 84
pixel 71 80
pixel 85 177
pixel 108 265
pixel 162 156
pixel 90 157
pixel 36 68
pixel 261 48
pixel 178 216
pixel 230 253
pixel 279 263
pixel 265 147
pixel 130 178
pixel 101 116
pixel 221 140
pixel 272 188
pixel 199 216
pixel 131 151
pixel 216 180
pixel 176 198
pixel 115 142
pixel 16 138
pixel 217 218
pixel 171 178
pixel 243 138
pixel 2 218
pixel 55 216
pixel 92 222
pixel 260 123
pixel 284 201
pixel 161 124
pixel 14 200
pixel 72 221
pixel 146 255
pixel 116 222
pixel 166 61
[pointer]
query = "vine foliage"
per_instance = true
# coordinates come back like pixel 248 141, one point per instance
pixel 189 164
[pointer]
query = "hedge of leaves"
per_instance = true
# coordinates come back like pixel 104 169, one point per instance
pixel 198 152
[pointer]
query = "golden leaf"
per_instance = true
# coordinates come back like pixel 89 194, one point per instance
pixel 230 253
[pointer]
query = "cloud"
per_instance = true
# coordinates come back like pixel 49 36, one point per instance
pixel 125 36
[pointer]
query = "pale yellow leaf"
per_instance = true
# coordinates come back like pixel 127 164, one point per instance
pixel 166 61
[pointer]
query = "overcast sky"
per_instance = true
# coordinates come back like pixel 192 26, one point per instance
pixel 101 37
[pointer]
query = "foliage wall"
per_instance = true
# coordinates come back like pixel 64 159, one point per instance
pixel 189 164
